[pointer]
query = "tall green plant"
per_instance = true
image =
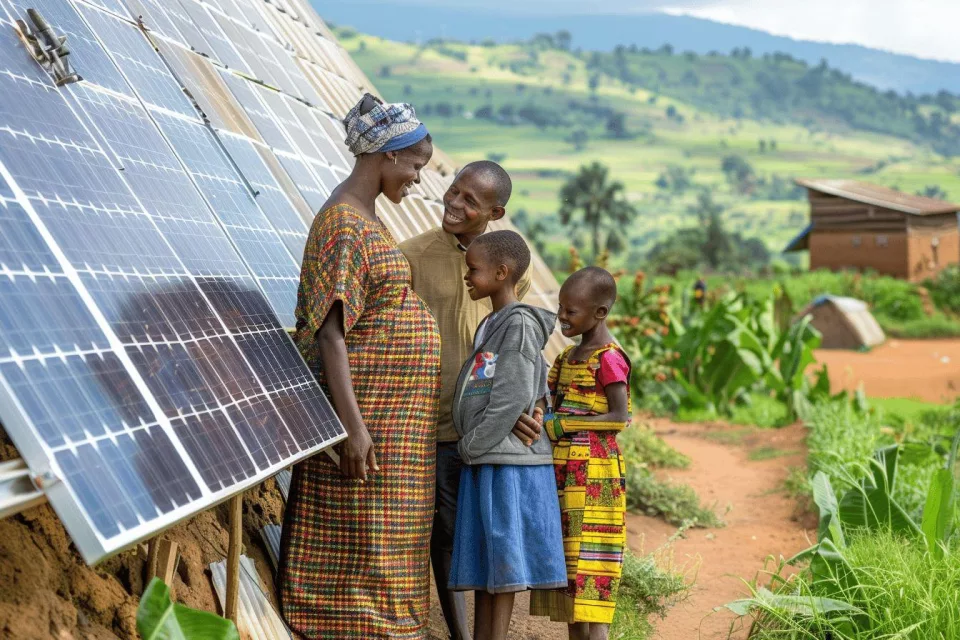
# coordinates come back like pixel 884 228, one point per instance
pixel 600 202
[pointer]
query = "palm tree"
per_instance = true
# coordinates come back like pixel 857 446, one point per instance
pixel 600 202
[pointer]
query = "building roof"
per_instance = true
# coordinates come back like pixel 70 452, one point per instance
pixel 801 241
pixel 879 196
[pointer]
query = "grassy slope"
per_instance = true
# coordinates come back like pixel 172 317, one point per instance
pixel 494 75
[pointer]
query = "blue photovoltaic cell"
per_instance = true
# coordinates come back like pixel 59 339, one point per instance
pixel 116 6
pixel 216 448
pixel 240 303
pixel 155 19
pixel 219 45
pixel 21 246
pixel 44 313
pixel 140 62
pixel 310 188
pixel 261 116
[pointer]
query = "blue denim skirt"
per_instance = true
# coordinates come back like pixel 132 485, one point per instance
pixel 508 535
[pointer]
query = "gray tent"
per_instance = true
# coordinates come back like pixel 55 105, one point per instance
pixel 846 323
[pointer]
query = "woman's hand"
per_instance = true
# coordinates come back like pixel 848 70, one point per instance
pixel 357 456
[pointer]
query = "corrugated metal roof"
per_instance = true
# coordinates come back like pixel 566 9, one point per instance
pixel 880 196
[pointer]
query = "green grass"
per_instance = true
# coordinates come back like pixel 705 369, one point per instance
pixel 769 453
pixel 678 504
pixel 762 411
pixel 729 436
pixel 907 409
pixel 640 443
pixel 904 593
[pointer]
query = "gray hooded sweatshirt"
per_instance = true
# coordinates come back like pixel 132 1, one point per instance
pixel 504 378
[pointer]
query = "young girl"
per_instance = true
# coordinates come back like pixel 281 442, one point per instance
pixel 589 385
pixel 507 536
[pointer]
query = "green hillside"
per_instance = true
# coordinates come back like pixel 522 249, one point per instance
pixel 544 112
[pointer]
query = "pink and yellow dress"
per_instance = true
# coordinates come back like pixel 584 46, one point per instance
pixel 591 485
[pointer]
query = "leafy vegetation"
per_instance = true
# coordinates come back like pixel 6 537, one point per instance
pixel 712 358
pixel 903 309
pixel 160 619
pixel 646 590
pixel 875 570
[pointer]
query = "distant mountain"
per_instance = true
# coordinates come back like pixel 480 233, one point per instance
pixel 603 32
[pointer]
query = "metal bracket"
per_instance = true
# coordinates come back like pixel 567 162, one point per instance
pixel 18 490
pixel 46 47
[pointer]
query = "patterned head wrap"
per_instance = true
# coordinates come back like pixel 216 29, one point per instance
pixel 385 127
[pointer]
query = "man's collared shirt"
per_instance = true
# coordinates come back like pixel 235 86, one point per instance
pixel 438 266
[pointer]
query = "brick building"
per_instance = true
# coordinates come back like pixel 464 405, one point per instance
pixel 858 225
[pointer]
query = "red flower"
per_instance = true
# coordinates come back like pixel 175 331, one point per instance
pixel 602 582
pixel 581 581
pixel 593 490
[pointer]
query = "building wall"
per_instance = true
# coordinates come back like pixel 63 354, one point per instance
pixel 925 260
pixel 883 252
pixel 910 256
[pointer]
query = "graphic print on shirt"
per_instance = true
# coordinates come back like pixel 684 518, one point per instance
pixel 482 373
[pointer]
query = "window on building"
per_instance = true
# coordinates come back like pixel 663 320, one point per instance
pixel 856 241
pixel 882 241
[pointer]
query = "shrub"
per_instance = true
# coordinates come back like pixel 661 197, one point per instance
pixel 645 589
pixel 639 444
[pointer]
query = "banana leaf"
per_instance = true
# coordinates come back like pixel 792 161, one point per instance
pixel 826 500
pixel 160 619
pixel 938 511
pixel 871 504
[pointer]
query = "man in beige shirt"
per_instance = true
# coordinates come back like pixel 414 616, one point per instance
pixel 478 195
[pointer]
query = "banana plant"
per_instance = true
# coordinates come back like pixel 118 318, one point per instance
pixel 160 619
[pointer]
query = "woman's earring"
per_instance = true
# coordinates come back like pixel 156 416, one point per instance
pixel 394 159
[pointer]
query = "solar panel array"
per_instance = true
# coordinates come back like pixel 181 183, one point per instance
pixel 148 267
pixel 152 223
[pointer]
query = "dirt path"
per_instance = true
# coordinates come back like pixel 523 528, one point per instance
pixel 761 521
pixel 923 369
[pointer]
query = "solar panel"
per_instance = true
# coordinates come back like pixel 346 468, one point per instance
pixel 144 371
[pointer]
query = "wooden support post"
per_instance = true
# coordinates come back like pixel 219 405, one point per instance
pixel 233 557
pixel 168 555
pixel 152 555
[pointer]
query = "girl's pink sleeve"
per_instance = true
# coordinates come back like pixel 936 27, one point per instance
pixel 613 368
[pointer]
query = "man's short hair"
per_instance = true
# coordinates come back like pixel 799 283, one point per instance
pixel 503 185
pixel 506 247
pixel 596 283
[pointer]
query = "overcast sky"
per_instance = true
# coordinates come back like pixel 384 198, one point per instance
pixel 924 28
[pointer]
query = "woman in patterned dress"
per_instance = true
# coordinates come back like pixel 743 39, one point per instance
pixel 590 387
pixel 356 538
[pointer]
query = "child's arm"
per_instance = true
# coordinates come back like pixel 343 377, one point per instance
pixel 614 420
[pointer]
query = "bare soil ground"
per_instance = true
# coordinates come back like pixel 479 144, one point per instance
pixel 922 369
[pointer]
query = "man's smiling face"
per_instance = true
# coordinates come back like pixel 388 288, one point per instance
pixel 469 204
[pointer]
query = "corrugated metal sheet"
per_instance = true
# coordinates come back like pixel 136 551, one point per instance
pixel 283 482
pixel 879 196
pixel 256 617
pixel 271 540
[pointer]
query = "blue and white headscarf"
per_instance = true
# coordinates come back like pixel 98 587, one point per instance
pixel 385 127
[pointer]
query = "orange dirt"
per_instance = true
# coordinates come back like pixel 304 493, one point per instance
pixel 922 369
pixel 760 519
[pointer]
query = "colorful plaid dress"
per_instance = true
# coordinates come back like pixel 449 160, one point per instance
pixel 591 484
pixel 355 557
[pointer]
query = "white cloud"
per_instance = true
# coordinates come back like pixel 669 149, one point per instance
pixel 925 28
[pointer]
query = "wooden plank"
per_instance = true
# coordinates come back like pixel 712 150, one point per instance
pixel 152 559
pixel 233 557
pixel 168 556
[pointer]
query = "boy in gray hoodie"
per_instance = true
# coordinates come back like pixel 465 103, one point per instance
pixel 508 536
